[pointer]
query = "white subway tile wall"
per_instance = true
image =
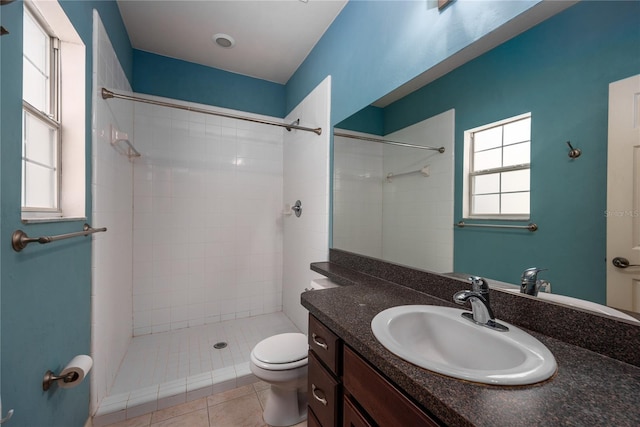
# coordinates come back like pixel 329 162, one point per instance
pixel 195 237
pixel 357 191
pixel 111 186
pixel 207 219
pixel 408 219
pixel 417 211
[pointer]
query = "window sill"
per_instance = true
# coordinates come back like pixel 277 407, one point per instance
pixel 36 220
pixel 498 218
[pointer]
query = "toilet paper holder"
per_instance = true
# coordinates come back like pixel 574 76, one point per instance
pixel 50 377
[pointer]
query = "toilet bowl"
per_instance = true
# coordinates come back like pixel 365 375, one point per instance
pixel 281 361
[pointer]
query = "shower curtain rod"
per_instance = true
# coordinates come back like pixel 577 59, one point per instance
pixel 386 141
pixel 110 94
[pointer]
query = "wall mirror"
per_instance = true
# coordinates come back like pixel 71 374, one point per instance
pixel 400 203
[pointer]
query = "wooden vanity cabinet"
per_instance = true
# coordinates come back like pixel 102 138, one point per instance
pixel 352 417
pixel 345 390
pixel 381 400
pixel 324 392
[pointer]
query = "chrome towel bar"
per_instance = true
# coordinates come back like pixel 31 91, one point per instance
pixel 424 172
pixel 531 227
pixel 20 240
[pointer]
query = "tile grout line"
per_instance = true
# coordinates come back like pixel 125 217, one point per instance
pixel 208 413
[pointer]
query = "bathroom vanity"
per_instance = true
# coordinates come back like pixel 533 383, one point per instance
pixel 355 381
pixel 340 385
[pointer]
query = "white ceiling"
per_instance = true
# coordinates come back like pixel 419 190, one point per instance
pixel 273 37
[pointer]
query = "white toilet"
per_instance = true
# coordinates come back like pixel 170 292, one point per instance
pixel 281 361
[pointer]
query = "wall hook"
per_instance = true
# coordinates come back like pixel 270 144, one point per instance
pixel 574 153
pixel 7 417
pixel 297 208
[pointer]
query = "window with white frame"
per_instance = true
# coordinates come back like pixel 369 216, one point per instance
pixel 40 119
pixel 53 115
pixel 497 166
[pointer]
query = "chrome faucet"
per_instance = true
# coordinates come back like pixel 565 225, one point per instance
pixel 478 296
pixel 530 284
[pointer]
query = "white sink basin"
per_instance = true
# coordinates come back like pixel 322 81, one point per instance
pixel 441 340
pixel 580 303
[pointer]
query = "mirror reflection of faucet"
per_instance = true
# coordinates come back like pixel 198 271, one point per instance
pixel 531 285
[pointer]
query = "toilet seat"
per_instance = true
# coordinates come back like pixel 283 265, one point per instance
pixel 281 352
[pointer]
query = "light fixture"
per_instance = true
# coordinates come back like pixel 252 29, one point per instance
pixel 224 40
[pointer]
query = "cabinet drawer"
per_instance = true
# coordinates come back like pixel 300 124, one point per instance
pixel 326 345
pixel 312 420
pixel 352 416
pixel 384 403
pixel 323 393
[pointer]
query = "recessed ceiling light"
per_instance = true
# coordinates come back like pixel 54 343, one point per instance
pixel 224 40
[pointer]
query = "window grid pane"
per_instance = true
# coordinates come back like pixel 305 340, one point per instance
pixel 487 139
pixel 514 203
pixel 486 184
pixel 517 154
pixel 518 131
pixel 41 130
pixel 496 191
pixel 39 187
pixel 36 87
pixel 515 181
pixel 489 159
pixel 486 204
pixel 39 163
pixel 40 141
pixel 36 65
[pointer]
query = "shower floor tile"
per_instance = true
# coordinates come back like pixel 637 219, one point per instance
pixel 172 356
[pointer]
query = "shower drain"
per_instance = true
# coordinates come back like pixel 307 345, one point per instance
pixel 220 345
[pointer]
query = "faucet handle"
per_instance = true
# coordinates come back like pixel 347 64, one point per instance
pixel 544 286
pixel 531 274
pixel 479 285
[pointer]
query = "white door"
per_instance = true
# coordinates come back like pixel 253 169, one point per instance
pixel 623 195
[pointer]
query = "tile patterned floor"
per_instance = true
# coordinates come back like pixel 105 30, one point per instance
pixel 171 368
pixel 239 407
pixel 169 356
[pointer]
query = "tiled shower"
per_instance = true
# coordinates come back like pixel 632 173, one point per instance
pixel 207 226
pixel 405 219
pixel 197 236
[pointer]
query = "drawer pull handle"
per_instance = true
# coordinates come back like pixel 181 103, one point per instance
pixel 319 343
pixel 318 398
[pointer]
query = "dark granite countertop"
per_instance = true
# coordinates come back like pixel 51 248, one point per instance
pixel 589 389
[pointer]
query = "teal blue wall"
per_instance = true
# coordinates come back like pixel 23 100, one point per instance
pixel 80 14
pixel 560 71
pixel 172 78
pixel 368 120
pixel 46 290
pixel 373 47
